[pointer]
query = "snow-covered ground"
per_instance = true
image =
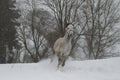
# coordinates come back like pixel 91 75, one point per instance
pixel 106 69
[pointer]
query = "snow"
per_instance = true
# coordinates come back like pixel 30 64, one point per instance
pixel 106 69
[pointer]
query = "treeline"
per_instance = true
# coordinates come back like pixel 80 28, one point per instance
pixel 27 34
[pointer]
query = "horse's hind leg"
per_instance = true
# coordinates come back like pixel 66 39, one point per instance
pixel 63 61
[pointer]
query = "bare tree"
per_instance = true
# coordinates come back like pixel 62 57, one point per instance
pixel 65 12
pixel 100 33
pixel 32 31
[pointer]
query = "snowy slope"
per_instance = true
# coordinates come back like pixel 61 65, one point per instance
pixel 106 69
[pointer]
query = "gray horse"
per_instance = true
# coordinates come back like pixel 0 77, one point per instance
pixel 62 46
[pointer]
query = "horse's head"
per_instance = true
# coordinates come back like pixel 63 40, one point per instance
pixel 70 30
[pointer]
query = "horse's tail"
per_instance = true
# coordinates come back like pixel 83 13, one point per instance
pixel 53 51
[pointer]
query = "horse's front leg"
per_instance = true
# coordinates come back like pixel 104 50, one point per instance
pixel 59 62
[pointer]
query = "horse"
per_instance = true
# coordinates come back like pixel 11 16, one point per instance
pixel 62 46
